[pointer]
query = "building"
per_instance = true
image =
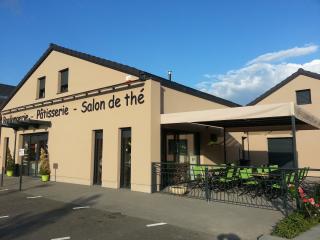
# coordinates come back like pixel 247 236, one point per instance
pixel 302 88
pixel 99 120
pixel 5 92
pixel 102 122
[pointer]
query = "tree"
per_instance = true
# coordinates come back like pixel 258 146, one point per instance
pixel 10 161
pixel 44 163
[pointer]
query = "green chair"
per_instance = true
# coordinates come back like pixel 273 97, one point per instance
pixel 228 176
pixel 289 178
pixel 198 172
pixel 226 180
pixel 197 178
pixel 273 168
pixel 246 177
pixel 260 170
pixel 303 173
pixel 248 182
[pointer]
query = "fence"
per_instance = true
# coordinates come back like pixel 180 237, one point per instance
pixel 265 187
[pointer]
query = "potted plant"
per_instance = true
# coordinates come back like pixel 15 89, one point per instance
pixel 10 164
pixel 180 178
pixel 44 166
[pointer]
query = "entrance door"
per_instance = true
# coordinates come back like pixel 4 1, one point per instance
pixel 97 169
pixel 182 148
pixel 32 144
pixel 125 177
pixel 280 152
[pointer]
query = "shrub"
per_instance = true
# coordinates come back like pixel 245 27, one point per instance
pixel 10 161
pixel 44 163
pixel 293 225
pixel 310 203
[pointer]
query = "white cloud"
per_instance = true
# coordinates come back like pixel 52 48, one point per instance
pixel 284 54
pixel 244 84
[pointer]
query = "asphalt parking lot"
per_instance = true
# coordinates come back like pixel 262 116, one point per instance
pixel 25 217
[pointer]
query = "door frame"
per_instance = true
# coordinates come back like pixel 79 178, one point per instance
pixel 270 138
pixel 37 152
pixel 95 156
pixel 176 133
pixel 122 183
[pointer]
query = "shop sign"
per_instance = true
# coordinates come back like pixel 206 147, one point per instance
pixel 113 102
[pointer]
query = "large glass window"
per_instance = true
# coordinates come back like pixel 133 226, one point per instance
pixel 303 97
pixel 41 87
pixel 64 80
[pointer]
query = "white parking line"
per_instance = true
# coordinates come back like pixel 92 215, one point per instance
pixel 156 224
pixel 76 208
pixel 2 190
pixel 32 197
pixel 6 216
pixel 61 238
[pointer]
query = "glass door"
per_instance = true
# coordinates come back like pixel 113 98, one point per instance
pixel 32 144
pixel 125 176
pixel 182 148
pixel 97 169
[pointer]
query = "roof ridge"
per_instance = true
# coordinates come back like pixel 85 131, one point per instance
pixel 78 54
pixel 267 93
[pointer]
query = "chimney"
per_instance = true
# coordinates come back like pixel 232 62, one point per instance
pixel 170 75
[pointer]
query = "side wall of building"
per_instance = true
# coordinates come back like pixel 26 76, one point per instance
pixel 176 101
pixel 308 141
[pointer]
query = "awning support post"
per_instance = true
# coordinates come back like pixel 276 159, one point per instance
pixel 224 146
pixel 294 141
pixel 295 158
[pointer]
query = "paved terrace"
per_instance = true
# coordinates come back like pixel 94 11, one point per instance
pixel 214 218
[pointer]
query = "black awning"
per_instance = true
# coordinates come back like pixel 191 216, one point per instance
pixel 25 124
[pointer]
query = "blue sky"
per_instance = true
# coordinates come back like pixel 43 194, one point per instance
pixel 233 49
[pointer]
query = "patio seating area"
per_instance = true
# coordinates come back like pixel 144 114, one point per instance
pixel 265 187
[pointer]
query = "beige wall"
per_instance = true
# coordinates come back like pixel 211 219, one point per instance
pixel 214 153
pixel 287 93
pixel 83 76
pixel 308 141
pixel 175 101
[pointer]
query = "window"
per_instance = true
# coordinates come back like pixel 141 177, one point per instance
pixel 41 87
pixel 303 97
pixel 63 79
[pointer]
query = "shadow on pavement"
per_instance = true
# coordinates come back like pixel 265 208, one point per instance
pixel 228 236
pixel 20 225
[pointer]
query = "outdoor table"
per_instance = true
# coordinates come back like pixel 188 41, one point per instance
pixel 261 175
